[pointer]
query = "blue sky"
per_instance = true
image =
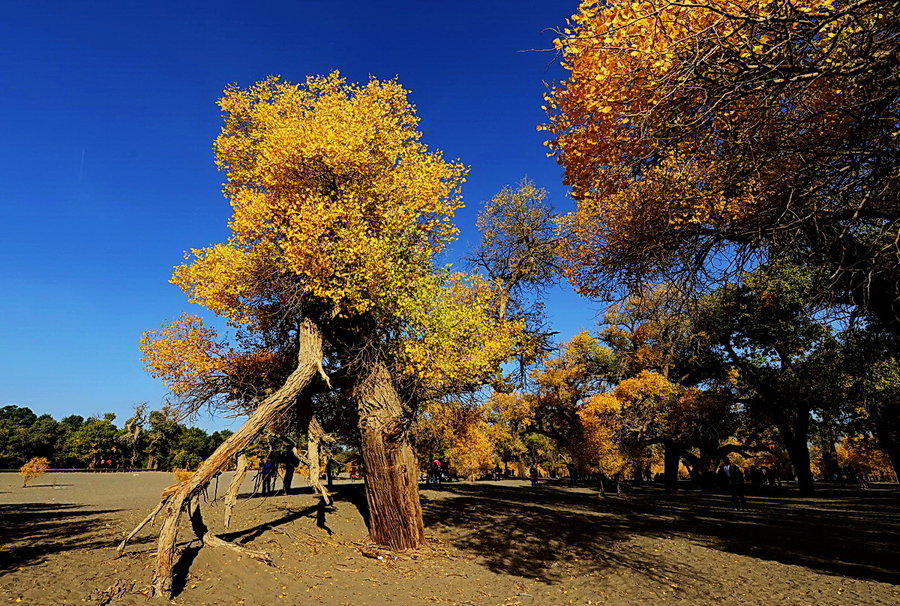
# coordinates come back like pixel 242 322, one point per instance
pixel 106 164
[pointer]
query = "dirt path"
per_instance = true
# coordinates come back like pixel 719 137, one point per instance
pixel 493 543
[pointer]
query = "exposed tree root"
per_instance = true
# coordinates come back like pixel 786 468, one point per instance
pixel 214 541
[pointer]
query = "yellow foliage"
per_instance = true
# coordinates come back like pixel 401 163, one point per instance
pixel 453 338
pixel 600 421
pixel 647 387
pixel 338 209
pixel 181 475
pixel 459 434
pixel 33 469
pixel 185 353
pixel 514 407
pixel 635 78
pixel 334 176
pixel 862 454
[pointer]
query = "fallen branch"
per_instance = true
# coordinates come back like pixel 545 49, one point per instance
pixel 121 550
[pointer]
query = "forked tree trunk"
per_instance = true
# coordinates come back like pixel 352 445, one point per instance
pixel 177 497
pixel 392 478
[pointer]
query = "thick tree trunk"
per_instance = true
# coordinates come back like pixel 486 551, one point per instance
pixel 175 498
pixel 392 488
pixel 795 440
pixel 887 432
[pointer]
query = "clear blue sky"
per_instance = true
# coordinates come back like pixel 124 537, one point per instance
pixel 106 164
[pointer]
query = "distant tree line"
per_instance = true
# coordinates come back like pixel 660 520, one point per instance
pixel 155 440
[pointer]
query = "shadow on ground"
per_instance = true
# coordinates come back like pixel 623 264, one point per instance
pixel 533 533
pixel 29 532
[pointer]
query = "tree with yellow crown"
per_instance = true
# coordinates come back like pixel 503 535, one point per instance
pixel 328 277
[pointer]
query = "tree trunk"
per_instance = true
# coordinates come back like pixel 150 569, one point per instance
pixel 887 432
pixel 175 498
pixel 392 488
pixel 795 442
pixel 672 455
pixel 314 436
pixel 231 496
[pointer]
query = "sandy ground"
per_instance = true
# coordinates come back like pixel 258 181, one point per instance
pixel 492 543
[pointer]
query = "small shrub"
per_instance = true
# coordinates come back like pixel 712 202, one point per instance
pixel 182 474
pixel 32 469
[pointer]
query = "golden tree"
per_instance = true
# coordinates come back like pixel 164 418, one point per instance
pixel 34 468
pixel 338 209
pixel 698 136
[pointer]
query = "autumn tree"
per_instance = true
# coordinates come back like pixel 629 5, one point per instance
pixel 602 449
pixel 457 433
pixel 338 209
pixel 34 468
pixel 518 250
pixel 782 350
pixel 701 137
pixel 875 395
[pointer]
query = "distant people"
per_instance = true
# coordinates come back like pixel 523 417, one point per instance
pixel 268 476
pixel 533 475
pixel 756 477
pixel 437 470
pixel 733 477
pixel 860 477
pixel 497 472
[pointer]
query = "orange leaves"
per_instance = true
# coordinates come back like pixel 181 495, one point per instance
pixel 33 469
pixel 184 354
pixel 664 122
pixel 457 433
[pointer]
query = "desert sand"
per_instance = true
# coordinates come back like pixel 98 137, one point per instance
pixel 491 543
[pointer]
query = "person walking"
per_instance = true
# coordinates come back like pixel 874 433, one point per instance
pixel 733 477
pixel 437 470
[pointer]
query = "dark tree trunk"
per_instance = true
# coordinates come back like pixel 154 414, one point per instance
pixel 888 435
pixel 795 438
pixel 672 456
pixel 392 488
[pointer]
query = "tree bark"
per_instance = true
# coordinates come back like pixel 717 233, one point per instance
pixel 672 455
pixel 175 498
pixel 314 436
pixel 392 488
pixel 887 432
pixel 795 439
pixel 231 496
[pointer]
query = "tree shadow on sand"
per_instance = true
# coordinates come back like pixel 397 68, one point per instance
pixel 536 533
pixel 29 532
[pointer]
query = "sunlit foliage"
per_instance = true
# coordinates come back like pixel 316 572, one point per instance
pixel 693 134
pixel 34 468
